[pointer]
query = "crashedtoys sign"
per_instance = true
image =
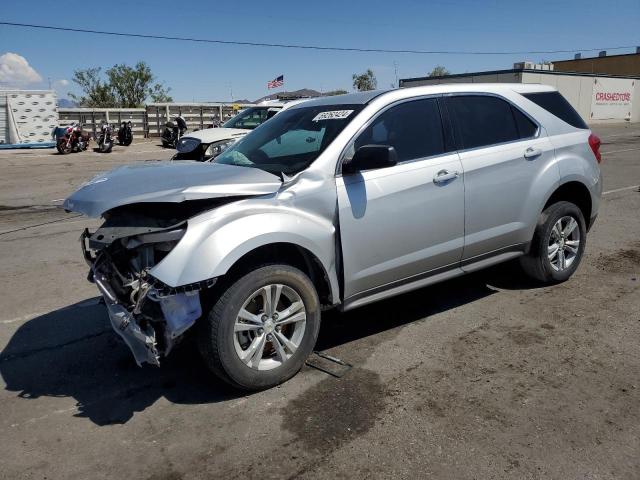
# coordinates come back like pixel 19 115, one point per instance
pixel 612 98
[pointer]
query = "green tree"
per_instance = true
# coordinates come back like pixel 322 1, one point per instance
pixel 125 87
pixel 365 81
pixel 334 92
pixel 439 71
pixel 97 93
pixel 160 94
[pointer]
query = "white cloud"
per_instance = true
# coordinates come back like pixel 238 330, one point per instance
pixel 15 70
pixel 61 83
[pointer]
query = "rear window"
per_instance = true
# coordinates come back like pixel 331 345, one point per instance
pixel 557 105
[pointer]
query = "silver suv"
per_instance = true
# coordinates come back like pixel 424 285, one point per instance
pixel 337 202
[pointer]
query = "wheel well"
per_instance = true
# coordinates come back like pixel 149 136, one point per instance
pixel 574 192
pixel 288 254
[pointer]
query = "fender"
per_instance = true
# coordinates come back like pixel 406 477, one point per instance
pixel 215 240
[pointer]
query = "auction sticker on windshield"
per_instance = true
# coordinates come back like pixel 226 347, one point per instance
pixel 332 115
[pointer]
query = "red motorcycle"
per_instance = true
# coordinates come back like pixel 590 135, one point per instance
pixel 72 139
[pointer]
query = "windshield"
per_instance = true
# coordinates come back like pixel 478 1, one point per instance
pixel 290 141
pixel 248 119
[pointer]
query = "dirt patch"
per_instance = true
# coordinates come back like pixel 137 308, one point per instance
pixel 626 260
pixel 171 475
pixel 484 385
pixel 335 411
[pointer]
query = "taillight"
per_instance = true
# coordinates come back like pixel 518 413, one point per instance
pixel 594 143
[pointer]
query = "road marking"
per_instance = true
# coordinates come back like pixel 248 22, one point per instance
pixel 58 221
pixel 637 187
pixel 619 151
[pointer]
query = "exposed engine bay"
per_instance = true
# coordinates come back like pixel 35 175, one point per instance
pixel 150 316
pixel 146 208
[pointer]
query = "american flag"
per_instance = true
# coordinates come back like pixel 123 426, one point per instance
pixel 277 82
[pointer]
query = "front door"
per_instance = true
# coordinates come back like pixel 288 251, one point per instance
pixel 406 220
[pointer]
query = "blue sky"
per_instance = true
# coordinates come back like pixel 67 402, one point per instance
pixel 205 72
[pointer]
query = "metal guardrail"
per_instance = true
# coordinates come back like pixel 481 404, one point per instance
pixel 197 115
pixel 91 118
pixel 150 121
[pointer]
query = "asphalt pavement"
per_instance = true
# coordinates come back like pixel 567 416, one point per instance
pixel 486 376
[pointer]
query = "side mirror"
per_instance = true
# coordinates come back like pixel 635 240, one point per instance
pixel 370 157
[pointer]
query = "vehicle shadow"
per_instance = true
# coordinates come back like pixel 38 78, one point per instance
pixel 72 352
pixel 340 328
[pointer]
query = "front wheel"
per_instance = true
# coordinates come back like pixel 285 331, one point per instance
pixel 63 147
pixel 262 328
pixel 558 244
pixel 105 146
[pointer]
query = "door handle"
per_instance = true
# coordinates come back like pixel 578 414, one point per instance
pixel 444 176
pixel 532 152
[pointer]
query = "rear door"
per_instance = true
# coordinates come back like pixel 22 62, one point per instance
pixel 505 154
pixel 400 222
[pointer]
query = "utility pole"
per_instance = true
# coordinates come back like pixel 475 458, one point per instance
pixel 395 67
pixel 49 79
pixel 230 85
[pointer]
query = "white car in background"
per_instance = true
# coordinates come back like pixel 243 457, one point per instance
pixel 204 145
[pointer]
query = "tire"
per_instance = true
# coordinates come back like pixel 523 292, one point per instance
pixel 541 263
pixel 221 346
pixel 63 148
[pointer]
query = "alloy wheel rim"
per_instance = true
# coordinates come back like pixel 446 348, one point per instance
pixel 269 327
pixel 564 243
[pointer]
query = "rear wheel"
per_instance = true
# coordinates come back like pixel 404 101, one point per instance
pixel 558 244
pixel 262 328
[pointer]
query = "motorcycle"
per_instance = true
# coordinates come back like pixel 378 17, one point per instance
pixel 125 135
pixel 172 132
pixel 105 142
pixel 73 139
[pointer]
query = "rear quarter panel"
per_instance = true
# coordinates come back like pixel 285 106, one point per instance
pixel 577 162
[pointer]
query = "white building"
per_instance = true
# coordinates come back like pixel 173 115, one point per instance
pixel 598 98
pixel 27 117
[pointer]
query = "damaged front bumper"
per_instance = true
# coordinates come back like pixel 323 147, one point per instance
pixel 142 344
pixel 152 317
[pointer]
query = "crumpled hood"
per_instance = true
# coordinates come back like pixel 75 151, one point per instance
pixel 210 135
pixel 172 182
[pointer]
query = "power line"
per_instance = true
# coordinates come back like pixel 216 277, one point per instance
pixel 307 47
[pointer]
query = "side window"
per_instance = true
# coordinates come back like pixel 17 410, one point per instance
pixel 526 128
pixel 413 128
pixel 482 120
